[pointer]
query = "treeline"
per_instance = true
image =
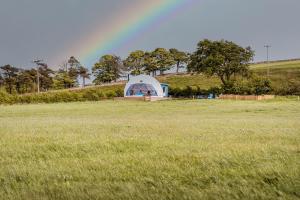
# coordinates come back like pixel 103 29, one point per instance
pixel 20 81
pixel 109 68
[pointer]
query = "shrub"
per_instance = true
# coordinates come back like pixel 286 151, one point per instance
pixel 119 92
pixel 110 94
pixel 189 92
pixel 92 95
pixel 252 86
pixel 215 90
pixel 260 86
pixel 174 92
pixel 291 87
pixel 5 98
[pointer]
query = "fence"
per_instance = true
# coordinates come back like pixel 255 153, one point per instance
pixel 247 97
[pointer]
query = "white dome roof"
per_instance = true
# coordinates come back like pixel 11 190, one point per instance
pixel 145 79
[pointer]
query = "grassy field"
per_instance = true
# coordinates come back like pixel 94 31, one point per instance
pixel 279 64
pixel 164 150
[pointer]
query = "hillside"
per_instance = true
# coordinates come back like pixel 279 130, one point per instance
pixel 277 64
pixel 284 75
pixel 280 72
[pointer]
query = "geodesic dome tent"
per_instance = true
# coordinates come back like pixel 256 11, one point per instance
pixel 143 85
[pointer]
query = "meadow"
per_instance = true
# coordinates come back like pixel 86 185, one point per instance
pixel 140 150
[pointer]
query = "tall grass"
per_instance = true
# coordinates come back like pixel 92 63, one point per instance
pixel 139 150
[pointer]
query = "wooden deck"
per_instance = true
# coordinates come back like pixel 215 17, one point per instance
pixel 145 98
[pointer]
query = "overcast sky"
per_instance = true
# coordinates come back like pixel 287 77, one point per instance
pixel 44 28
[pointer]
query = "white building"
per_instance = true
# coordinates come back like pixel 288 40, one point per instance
pixel 144 85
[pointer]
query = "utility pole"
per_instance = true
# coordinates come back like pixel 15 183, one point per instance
pixel 268 67
pixel 38 63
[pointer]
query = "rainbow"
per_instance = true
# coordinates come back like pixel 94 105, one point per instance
pixel 127 26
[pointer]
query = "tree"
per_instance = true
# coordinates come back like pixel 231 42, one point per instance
pixel 222 58
pixel 73 62
pixel 62 80
pixel 25 81
pixel 108 69
pixel 135 62
pixel 73 70
pixel 10 77
pixel 73 75
pixel 84 73
pixel 64 66
pixel 67 75
pixel 1 81
pixel 164 60
pixel 180 57
pixel 46 77
pixel 150 63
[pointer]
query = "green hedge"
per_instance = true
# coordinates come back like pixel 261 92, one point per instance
pixel 91 94
pixel 189 91
pixel 290 87
pixel 252 86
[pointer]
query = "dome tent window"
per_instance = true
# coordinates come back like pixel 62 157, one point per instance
pixel 141 89
pixel 143 85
